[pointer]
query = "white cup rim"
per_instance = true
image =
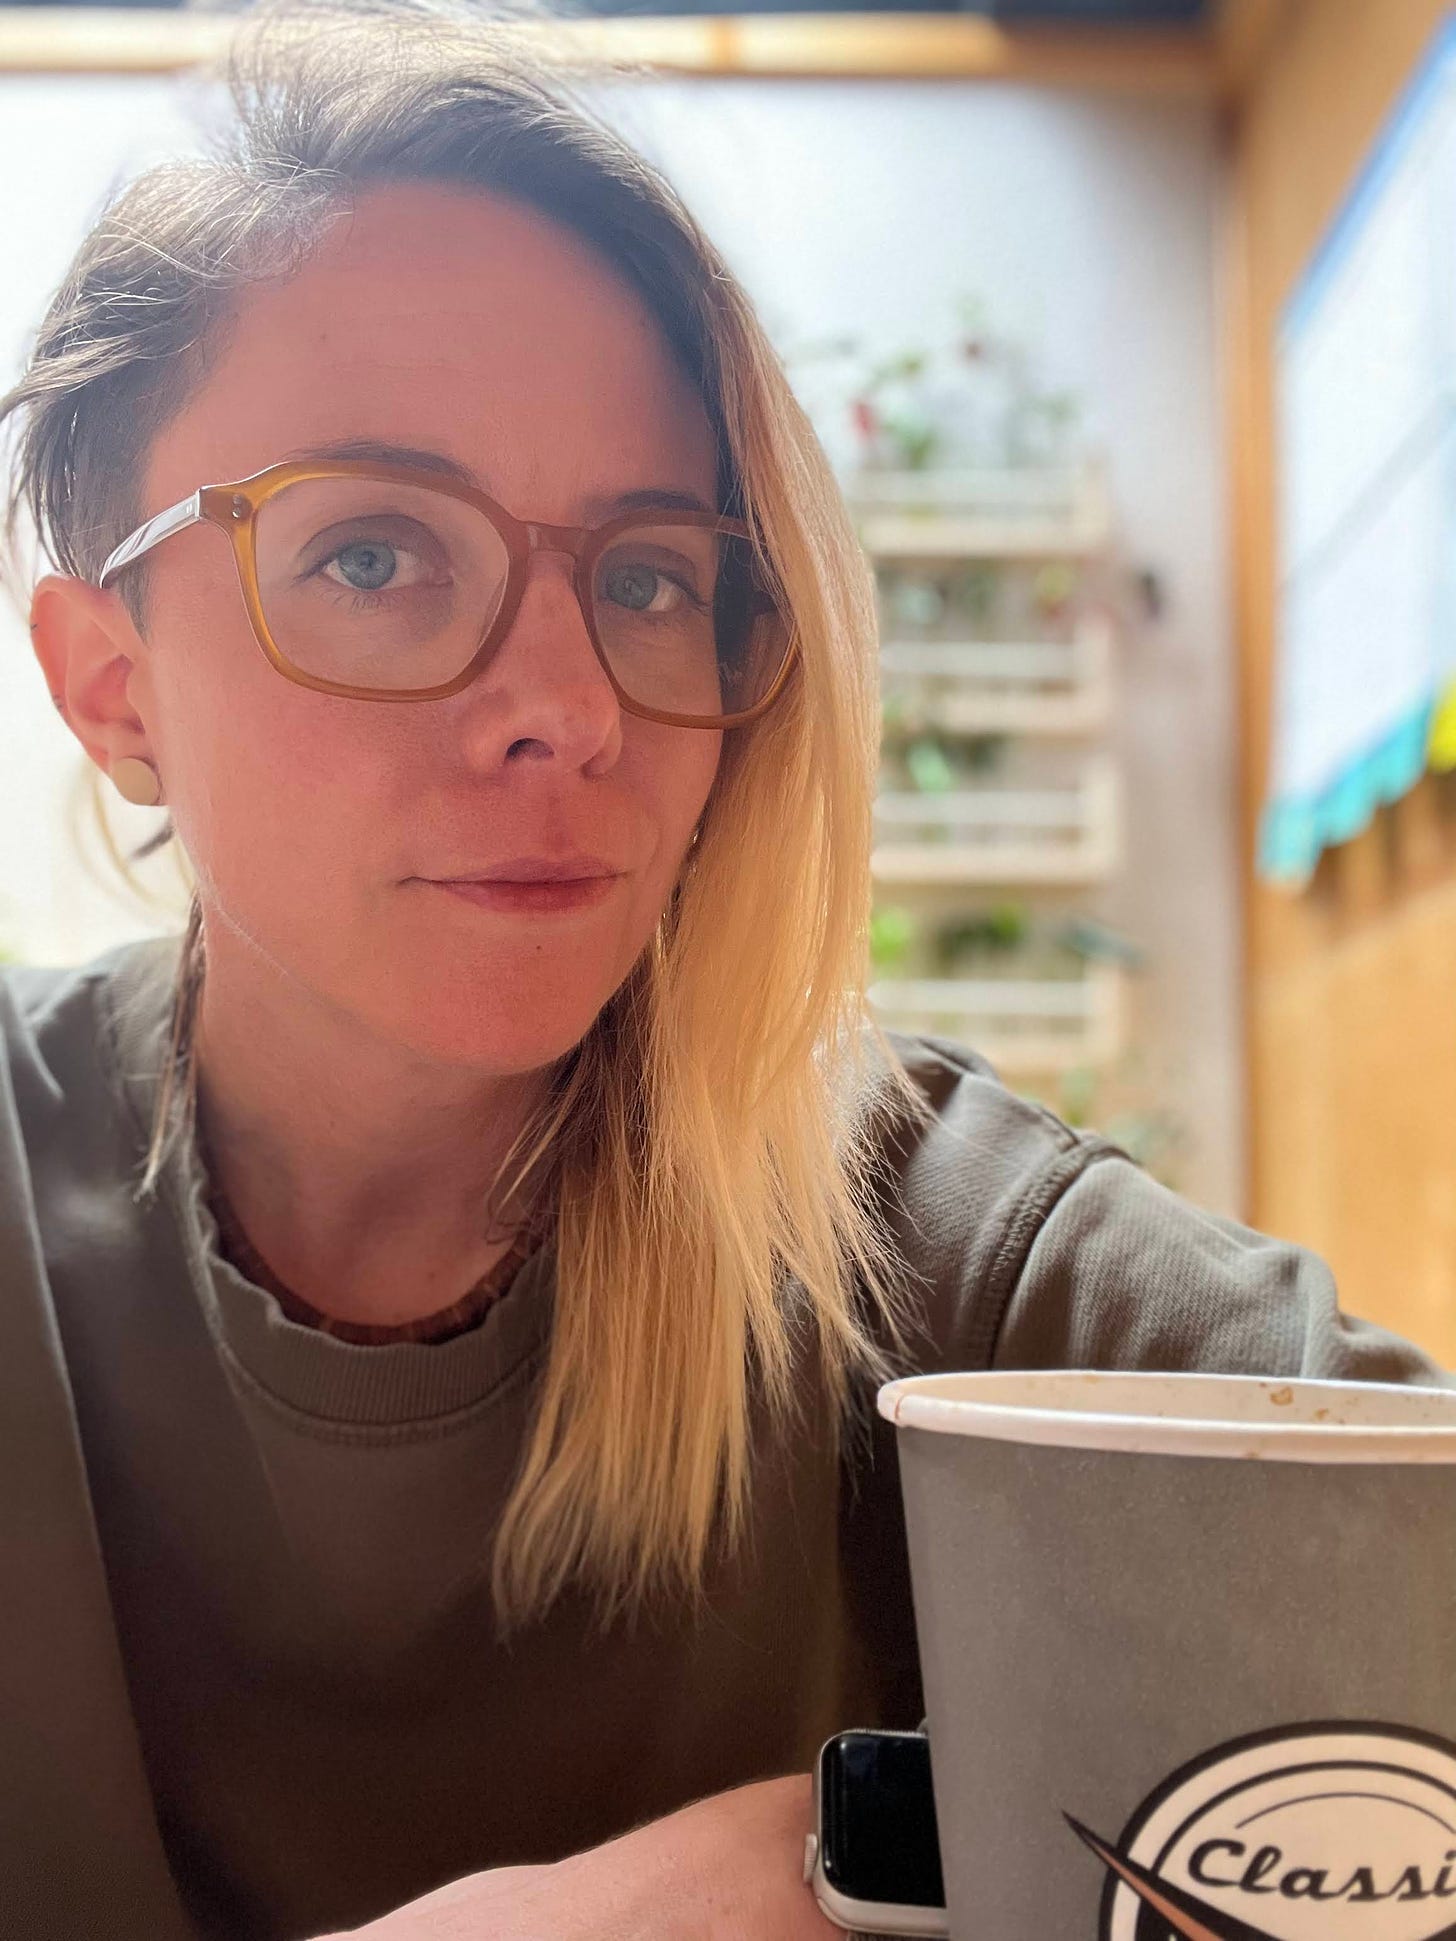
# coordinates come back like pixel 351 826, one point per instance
pixel 1269 1418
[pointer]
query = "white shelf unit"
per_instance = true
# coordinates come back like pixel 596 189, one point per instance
pixel 936 849
pixel 1049 689
pixel 1002 836
pixel 988 513
pixel 1028 1028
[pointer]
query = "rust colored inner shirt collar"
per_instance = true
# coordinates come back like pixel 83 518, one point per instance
pixel 443 1325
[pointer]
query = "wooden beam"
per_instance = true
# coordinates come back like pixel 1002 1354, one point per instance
pixel 105 40
pixel 1243 32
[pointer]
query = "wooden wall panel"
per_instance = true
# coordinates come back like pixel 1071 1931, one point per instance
pixel 1351 985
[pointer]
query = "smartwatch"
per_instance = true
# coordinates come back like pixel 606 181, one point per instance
pixel 873 1859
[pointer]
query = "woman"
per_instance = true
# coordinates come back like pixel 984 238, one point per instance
pixel 442 1324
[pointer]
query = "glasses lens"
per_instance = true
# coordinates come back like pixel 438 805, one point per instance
pixel 388 586
pixel 684 620
pixel 373 584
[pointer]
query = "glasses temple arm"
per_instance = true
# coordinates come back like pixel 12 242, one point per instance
pixel 186 512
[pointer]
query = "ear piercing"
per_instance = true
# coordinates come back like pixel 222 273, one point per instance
pixel 137 781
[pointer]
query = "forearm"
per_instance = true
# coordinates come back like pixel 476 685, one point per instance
pixel 725 1868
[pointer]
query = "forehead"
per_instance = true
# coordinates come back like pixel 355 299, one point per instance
pixel 458 321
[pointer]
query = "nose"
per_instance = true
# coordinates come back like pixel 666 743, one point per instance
pixel 545 538
pixel 561 541
pixel 541 624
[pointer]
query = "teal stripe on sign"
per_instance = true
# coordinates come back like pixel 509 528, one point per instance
pixel 1294 831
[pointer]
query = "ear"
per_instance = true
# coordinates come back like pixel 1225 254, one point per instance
pixel 87 647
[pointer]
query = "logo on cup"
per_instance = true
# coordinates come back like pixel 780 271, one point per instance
pixel 1335 1830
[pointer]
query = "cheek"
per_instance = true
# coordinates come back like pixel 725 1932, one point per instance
pixel 684 766
pixel 270 785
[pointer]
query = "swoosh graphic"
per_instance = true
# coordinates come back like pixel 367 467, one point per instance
pixel 1188 1916
pixel 1185 1913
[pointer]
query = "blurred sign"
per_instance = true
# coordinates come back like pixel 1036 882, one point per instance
pixel 1366 449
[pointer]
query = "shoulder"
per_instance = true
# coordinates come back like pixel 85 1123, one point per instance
pixel 37 1000
pixel 59 1028
pixel 968 1191
pixel 1038 1245
pixel 1012 1140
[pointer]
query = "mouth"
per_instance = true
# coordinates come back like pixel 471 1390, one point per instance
pixel 541 897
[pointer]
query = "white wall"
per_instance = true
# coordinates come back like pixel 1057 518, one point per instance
pixel 1089 221
pixel 65 143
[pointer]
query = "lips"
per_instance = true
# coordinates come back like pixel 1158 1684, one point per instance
pixel 575 867
pixel 541 898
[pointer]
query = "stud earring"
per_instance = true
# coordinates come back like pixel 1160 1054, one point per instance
pixel 137 781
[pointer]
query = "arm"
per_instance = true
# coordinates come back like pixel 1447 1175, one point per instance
pixel 1124 1273
pixel 725 1868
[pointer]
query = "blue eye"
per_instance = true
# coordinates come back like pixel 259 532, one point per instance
pixel 633 586
pixel 368 563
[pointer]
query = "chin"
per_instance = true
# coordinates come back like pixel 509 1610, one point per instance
pixel 492 1034
pixel 504 1007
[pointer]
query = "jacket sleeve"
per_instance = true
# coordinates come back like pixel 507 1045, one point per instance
pixel 81 1853
pixel 1124 1273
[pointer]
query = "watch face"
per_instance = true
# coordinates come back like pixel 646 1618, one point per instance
pixel 878 1818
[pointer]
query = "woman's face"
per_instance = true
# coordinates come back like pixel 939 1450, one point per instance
pixel 464 324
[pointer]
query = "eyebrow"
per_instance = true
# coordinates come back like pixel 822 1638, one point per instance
pixel 384 452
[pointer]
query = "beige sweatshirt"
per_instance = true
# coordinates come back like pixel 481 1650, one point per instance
pixel 249 1684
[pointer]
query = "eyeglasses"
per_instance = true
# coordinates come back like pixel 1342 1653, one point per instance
pixel 385 582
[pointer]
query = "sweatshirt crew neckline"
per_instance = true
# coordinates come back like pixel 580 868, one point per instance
pixel 318 1377
pixel 458 1317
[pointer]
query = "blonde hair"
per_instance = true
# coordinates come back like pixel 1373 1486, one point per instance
pixel 714 1143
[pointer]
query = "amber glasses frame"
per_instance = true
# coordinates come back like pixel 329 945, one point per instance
pixel 234 505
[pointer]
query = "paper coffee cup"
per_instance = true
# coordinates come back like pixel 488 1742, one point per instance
pixel 1189 1653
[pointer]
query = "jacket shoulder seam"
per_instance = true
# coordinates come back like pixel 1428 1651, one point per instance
pixel 962 1058
pixel 1026 1221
